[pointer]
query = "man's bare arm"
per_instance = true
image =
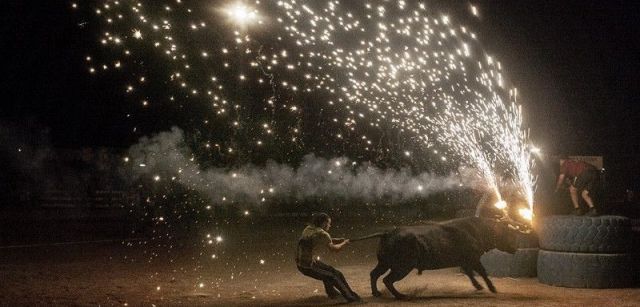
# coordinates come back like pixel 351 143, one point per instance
pixel 339 246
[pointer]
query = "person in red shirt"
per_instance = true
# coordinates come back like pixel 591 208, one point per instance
pixel 581 177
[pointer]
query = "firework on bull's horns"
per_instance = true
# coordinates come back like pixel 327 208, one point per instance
pixel 399 63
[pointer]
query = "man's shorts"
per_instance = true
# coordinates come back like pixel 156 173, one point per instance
pixel 586 180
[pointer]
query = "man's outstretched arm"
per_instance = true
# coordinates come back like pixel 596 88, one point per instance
pixel 339 246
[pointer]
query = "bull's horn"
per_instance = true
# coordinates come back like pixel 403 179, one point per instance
pixel 482 204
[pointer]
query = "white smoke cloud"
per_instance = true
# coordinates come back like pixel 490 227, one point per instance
pixel 165 157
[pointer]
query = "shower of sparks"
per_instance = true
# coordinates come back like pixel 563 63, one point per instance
pixel 385 63
pixel 241 14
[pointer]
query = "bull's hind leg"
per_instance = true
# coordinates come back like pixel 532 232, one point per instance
pixel 375 274
pixel 469 272
pixel 480 269
pixel 395 275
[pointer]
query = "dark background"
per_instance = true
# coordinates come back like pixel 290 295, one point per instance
pixel 575 63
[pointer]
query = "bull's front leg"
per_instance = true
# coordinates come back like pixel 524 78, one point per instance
pixel 469 272
pixel 478 267
pixel 395 275
pixel 375 274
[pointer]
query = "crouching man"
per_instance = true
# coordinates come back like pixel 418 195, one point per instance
pixel 316 235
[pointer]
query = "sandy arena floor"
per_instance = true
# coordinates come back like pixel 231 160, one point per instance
pixel 113 274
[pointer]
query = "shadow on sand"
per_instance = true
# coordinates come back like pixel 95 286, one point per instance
pixel 414 296
pixel 418 295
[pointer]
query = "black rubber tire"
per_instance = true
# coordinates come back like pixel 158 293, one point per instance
pixel 527 240
pixel 579 270
pixel 521 264
pixel 582 234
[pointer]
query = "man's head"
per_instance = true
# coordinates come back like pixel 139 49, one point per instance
pixel 321 220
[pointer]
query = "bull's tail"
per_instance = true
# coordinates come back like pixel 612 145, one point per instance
pixel 371 236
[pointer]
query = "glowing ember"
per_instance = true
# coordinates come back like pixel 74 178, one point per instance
pixel 241 14
pixel 525 213
pixel 501 205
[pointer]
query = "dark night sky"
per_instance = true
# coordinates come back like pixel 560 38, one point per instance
pixel 576 63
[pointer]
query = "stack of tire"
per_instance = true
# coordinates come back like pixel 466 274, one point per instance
pixel 521 264
pixel 587 252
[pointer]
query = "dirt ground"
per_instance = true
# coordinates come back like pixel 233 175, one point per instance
pixel 248 269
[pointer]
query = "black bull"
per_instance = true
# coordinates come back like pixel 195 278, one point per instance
pixel 455 243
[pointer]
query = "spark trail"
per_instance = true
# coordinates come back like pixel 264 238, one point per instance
pixel 384 63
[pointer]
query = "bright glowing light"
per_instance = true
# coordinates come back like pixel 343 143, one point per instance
pixel 137 34
pixel 474 10
pixel 241 14
pixel 501 205
pixel 535 150
pixel 526 214
pixel 218 239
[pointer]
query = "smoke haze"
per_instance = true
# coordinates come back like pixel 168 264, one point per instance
pixel 166 157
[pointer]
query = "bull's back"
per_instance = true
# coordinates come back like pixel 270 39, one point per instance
pixel 413 245
pixel 430 246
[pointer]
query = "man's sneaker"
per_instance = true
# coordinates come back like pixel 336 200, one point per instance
pixel 592 212
pixel 578 211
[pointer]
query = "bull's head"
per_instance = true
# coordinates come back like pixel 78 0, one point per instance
pixel 504 237
pixel 505 228
pixel 515 225
pixel 501 214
